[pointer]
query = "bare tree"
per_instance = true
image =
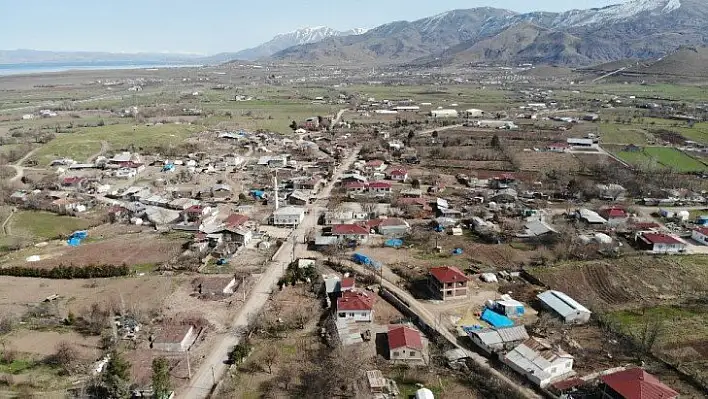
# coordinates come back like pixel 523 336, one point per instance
pixel 64 357
pixel 270 358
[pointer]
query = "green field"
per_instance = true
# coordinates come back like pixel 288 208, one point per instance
pixel 45 225
pixel 612 133
pixel 87 141
pixel 659 157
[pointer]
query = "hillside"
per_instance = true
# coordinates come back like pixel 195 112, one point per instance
pixel 641 29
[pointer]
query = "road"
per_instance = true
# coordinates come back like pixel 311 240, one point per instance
pixel 19 169
pixel 429 132
pixel 433 321
pixel 214 366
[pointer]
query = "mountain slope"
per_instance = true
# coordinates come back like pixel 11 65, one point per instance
pixel 285 40
pixel 634 29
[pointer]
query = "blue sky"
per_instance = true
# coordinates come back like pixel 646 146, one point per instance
pixel 211 26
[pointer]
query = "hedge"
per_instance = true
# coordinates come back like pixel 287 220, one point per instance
pixel 67 272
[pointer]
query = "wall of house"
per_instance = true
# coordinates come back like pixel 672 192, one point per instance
pixel 355 315
pixel 406 354
pixel 697 236
pixel 287 219
pixel 668 248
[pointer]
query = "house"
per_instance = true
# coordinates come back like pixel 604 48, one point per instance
pixel 390 227
pixel 217 286
pixel 68 205
pixel 355 187
pixel 498 340
pixel 235 220
pixel 444 113
pixel 660 243
pixel 700 234
pixel 611 192
pixel 175 338
pixel 221 191
pixel 412 193
pixel 299 198
pixel 74 181
pixel 634 383
pixel 348 284
pixel 614 215
pixel 567 308
pixel 355 306
pixel 376 165
pixel 350 232
pixel 537 228
pixel 379 187
pixel 508 306
pixel 537 360
pixel 405 344
pixel 237 235
pixel 398 174
pixel 344 216
pixel 558 147
pixel 581 143
pixel 590 217
pixel 288 216
pixel 448 282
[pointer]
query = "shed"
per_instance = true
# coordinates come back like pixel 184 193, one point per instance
pixel 566 307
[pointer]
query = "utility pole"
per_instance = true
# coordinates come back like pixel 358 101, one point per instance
pixel 189 367
pixel 213 375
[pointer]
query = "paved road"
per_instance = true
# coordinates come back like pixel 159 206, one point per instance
pixel 213 365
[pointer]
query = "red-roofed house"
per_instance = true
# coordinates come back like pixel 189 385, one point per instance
pixel 398 174
pixel 614 215
pixel 236 220
pixel 379 187
pixel 448 282
pixel 635 383
pixel 660 243
pixel 355 187
pixel 347 284
pixel 700 234
pixel 558 147
pixel 405 344
pixel 375 165
pixel 355 306
pixel 352 232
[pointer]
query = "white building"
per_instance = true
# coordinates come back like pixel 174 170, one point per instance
pixel 355 306
pixel 700 234
pixel 288 216
pixel 474 113
pixel 566 307
pixel 540 362
pixel 444 113
pixel 175 338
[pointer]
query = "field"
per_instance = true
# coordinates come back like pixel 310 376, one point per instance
pixel 659 157
pixel 44 225
pixel 546 161
pixel 622 134
pixel 85 142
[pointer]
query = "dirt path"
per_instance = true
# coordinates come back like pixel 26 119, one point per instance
pixel 104 148
pixel 19 169
pixel 6 224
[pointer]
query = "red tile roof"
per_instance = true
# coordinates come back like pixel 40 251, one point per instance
pixel 194 209
pixel 348 283
pixel 375 163
pixel 660 238
pixel 349 229
pixel 636 383
pixel 505 176
pixel 392 222
pixel 702 230
pixel 613 213
pixel 448 274
pixel 73 180
pixel 398 172
pixel 379 184
pixel 351 300
pixel 236 220
pixel 404 337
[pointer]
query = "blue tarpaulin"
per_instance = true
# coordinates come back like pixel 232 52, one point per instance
pixel 439 228
pixel 495 319
pixel 457 251
pixel 469 329
pixel 365 260
pixel 394 243
pixel 76 237
pixel 74 242
pixel 258 194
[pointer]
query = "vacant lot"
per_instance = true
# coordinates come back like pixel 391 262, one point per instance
pixel 546 161
pixel 622 134
pixel 44 225
pixel 85 142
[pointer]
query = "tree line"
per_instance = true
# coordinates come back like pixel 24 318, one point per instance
pixel 67 272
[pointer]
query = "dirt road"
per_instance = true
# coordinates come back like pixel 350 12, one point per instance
pixel 19 169
pixel 214 366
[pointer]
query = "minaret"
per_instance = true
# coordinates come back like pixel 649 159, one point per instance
pixel 275 189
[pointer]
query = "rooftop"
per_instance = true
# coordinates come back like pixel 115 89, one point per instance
pixel 636 383
pixel 448 274
pixel 172 334
pixel 660 238
pixel 493 336
pixel 561 303
pixel 351 300
pixel 349 229
pixel 401 336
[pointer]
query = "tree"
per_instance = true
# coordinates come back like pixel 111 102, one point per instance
pixel 415 183
pixel 411 134
pixel 116 377
pixel 64 357
pixel 160 378
pixel 239 353
pixel 270 358
pixel 293 125
pixel 495 142
pixel 435 134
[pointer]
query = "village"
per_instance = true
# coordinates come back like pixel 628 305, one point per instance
pixel 507 244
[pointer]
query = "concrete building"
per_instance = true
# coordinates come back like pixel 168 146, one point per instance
pixel 448 282
pixel 444 113
pixel 355 306
pixel 538 361
pixel 660 243
pixel 175 338
pixel 700 234
pixel 405 344
pixel 288 216
pixel 564 306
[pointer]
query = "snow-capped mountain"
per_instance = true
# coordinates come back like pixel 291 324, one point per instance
pixel 631 29
pixel 294 38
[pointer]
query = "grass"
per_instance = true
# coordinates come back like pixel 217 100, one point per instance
pixel 681 324
pixel 675 159
pixel 612 133
pixel 87 141
pixel 17 366
pixel 144 268
pixel 45 225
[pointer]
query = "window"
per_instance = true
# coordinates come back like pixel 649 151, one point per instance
pixel 351 314
pixel 395 354
pixel 363 314
pixel 411 353
pixel 449 293
pixel 342 315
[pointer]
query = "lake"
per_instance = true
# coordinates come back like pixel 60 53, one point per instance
pixel 46 67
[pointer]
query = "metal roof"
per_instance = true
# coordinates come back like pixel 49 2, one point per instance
pixel 591 216
pixel 562 303
pixel 494 336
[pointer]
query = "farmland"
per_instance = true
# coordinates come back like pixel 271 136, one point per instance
pixel 45 225
pixel 659 157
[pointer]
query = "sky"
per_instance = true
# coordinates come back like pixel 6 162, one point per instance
pixel 212 26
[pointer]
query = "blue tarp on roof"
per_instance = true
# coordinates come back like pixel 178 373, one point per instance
pixel 394 243
pixel 495 319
